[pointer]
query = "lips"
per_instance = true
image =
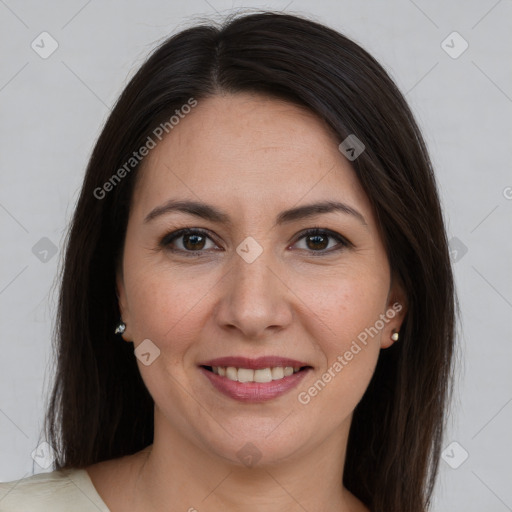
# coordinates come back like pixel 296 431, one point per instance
pixel 254 364
pixel 254 380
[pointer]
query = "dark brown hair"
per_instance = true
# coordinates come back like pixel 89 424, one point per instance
pixel 99 407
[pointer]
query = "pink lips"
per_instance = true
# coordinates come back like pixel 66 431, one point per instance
pixel 254 391
pixel 253 364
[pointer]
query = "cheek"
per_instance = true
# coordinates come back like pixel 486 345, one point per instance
pixel 346 321
pixel 166 309
pixel 343 304
pixel 163 305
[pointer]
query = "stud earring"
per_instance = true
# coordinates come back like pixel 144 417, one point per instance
pixel 121 327
pixel 395 336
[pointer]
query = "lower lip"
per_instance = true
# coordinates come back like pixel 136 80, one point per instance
pixel 254 391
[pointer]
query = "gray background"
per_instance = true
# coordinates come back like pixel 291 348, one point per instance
pixel 52 111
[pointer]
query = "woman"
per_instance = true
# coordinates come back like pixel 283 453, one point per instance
pixel 259 223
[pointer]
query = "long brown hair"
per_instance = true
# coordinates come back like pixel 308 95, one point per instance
pixel 99 407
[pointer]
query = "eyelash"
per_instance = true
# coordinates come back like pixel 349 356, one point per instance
pixel 171 237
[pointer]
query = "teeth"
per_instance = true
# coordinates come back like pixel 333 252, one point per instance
pixel 261 375
pixel 245 375
pixel 232 373
pixel 277 373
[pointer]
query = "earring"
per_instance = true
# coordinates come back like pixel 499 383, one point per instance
pixel 121 327
pixel 395 336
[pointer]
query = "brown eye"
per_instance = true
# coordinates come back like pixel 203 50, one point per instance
pixel 318 240
pixel 193 241
pixel 186 240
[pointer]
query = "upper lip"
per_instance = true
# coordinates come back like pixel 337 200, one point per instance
pixel 254 364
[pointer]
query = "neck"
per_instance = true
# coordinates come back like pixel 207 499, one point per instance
pixel 176 471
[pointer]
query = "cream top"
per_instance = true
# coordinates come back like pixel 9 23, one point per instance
pixel 68 490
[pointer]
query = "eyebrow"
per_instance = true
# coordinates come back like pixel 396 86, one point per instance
pixel 213 214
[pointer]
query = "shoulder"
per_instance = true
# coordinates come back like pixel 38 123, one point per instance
pixel 57 491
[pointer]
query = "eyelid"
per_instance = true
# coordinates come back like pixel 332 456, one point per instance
pixel 173 235
pixel 342 241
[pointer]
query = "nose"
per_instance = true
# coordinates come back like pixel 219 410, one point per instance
pixel 254 299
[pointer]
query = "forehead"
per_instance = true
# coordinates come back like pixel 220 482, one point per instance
pixel 247 148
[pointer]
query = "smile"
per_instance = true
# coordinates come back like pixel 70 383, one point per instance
pixel 248 375
pixel 254 380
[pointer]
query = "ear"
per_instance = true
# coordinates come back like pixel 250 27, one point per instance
pixel 396 309
pixel 123 304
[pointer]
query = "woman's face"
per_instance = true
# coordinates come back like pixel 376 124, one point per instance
pixel 251 289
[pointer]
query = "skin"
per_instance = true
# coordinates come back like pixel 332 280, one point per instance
pixel 252 157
